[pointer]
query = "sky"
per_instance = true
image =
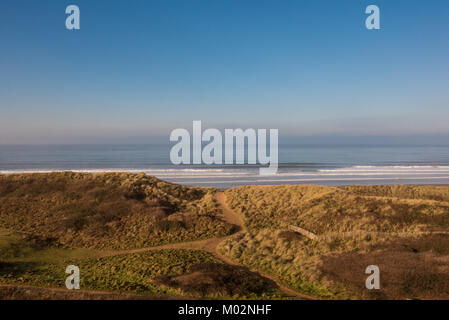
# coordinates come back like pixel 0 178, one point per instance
pixel 139 69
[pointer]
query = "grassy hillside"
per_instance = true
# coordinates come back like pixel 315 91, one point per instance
pixel 333 209
pixel 153 274
pixel 383 225
pixel 107 210
pixel 50 221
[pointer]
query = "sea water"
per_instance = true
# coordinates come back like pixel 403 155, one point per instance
pixel 298 164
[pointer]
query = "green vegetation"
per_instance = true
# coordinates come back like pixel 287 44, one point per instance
pixel 218 280
pixel 123 273
pixel 158 273
pixel 50 221
pixel 392 217
pixel 107 210
pixel 16 247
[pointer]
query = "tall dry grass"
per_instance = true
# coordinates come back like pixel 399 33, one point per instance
pixel 392 216
pixel 106 210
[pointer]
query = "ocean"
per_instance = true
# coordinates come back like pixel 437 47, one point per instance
pixel 298 164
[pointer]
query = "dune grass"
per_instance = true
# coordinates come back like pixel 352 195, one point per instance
pixel 334 267
pixel 124 273
pixel 158 273
pixel 50 221
pixel 107 210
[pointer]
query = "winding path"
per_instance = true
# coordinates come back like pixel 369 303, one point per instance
pixel 211 245
pixel 208 245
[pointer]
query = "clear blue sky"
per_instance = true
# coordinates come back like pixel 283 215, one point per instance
pixel 142 68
